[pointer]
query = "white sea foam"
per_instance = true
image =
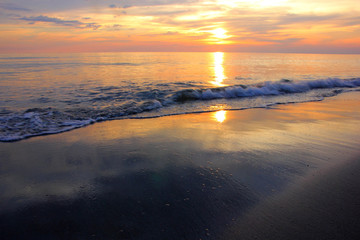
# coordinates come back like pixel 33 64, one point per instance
pixel 39 121
pixel 267 88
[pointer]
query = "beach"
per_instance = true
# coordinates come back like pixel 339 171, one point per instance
pixel 179 120
pixel 281 172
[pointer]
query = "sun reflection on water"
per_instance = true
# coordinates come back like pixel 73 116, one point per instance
pixel 220 116
pixel 218 69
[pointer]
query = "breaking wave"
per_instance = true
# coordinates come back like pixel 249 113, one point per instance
pixel 40 121
pixel 268 88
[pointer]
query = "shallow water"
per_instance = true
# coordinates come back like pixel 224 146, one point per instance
pixel 45 94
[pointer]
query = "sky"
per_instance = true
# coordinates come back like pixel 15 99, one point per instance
pixel 304 26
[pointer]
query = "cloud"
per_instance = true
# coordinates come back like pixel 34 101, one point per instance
pixel 136 3
pixel 168 33
pixel 163 12
pixel 352 21
pixel 190 22
pixel 13 7
pixel 58 21
pixel 302 18
pixel 171 33
pixel 94 26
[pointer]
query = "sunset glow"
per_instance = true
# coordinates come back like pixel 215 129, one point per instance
pixel 218 69
pixel 220 116
pixel 219 33
pixel 180 25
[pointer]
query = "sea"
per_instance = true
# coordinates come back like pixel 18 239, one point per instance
pixel 53 93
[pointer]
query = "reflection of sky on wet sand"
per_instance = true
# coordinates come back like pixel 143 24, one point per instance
pixel 187 165
pixel 160 204
pixel 220 116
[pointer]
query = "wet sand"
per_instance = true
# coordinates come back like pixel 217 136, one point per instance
pixel 284 173
pixel 325 206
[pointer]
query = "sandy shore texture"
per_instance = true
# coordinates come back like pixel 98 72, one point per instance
pixel 291 172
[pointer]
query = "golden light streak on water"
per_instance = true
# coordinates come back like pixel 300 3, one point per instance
pixel 219 69
pixel 220 116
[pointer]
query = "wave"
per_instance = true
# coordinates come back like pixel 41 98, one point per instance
pixel 268 88
pixel 40 121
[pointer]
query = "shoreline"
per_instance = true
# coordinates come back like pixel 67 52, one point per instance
pixel 39 121
pixel 277 173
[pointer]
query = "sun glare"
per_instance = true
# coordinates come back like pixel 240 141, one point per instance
pixel 220 116
pixel 219 33
pixel 218 69
pixel 269 3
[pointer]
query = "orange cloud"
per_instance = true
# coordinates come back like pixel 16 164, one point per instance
pixel 179 25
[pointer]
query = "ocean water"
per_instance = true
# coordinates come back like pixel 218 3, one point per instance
pixel 44 94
